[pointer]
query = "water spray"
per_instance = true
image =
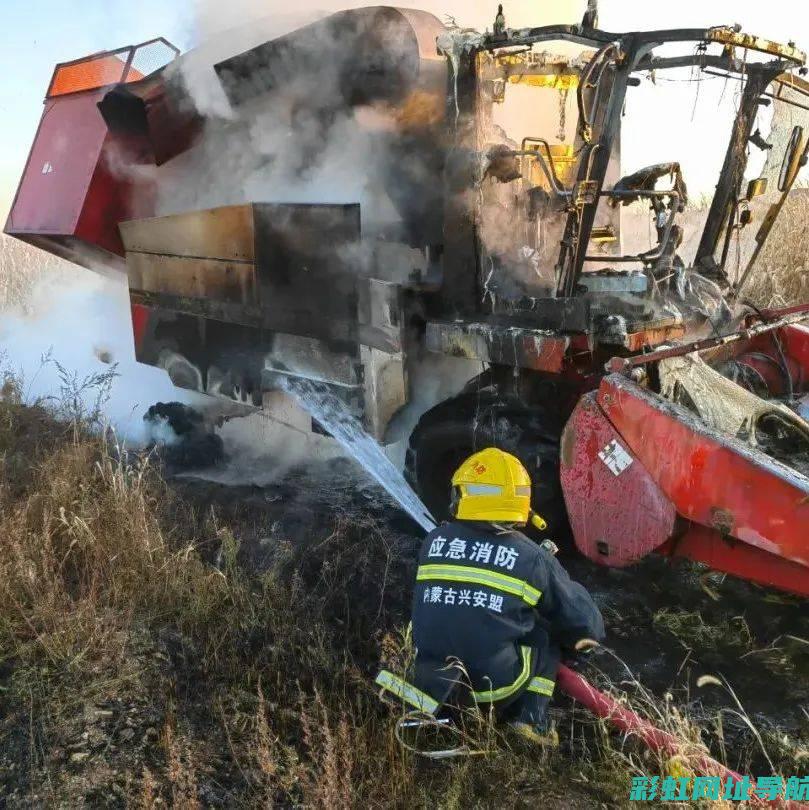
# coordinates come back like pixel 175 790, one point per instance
pixel 334 415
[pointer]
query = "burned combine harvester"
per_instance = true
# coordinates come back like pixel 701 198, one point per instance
pixel 639 389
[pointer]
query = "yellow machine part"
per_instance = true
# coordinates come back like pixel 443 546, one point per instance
pixel 554 81
pixel 564 162
pixel 554 75
pixel 738 39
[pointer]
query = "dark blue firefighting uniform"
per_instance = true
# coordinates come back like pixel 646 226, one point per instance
pixel 491 612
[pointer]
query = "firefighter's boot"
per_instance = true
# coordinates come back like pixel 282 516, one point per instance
pixel 532 722
pixel 538 735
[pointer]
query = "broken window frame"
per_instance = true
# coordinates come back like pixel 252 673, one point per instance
pixel 623 55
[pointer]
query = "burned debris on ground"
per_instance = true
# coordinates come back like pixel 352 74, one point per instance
pixel 183 436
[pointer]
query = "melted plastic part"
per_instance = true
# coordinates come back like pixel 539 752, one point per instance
pixel 731 409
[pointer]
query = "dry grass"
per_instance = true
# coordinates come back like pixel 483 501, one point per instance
pixel 782 276
pixel 249 690
pixel 94 556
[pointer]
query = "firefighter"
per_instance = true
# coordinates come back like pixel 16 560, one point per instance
pixel 492 610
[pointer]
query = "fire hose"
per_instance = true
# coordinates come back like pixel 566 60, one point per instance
pixel 624 719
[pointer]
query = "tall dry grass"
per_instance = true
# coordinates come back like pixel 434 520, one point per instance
pixel 781 277
pixel 238 688
pixel 94 553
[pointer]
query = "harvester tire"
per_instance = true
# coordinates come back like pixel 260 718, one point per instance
pixel 457 427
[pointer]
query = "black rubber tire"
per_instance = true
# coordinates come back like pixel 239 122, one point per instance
pixel 471 421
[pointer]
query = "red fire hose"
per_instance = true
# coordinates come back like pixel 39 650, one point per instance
pixel 624 719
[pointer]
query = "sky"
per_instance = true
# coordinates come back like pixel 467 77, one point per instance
pixel 39 33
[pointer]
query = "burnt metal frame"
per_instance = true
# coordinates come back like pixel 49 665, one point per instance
pixel 631 53
pixel 728 187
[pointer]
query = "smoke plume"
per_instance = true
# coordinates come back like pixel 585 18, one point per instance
pixel 81 320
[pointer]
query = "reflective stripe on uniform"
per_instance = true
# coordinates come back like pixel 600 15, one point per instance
pixel 542 686
pixel 481 576
pixel 406 691
pixel 492 695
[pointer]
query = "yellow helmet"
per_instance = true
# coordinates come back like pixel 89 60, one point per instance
pixel 493 486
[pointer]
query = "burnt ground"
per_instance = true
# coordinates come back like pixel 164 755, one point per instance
pixel 668 622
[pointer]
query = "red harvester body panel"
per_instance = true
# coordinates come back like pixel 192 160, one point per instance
pixel 72 198
pixel 78 182
pixel 632 461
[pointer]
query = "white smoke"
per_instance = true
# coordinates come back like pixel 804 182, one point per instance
pixel 433 379
pixel 272 149
pixel 258 161
pixel 82 320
